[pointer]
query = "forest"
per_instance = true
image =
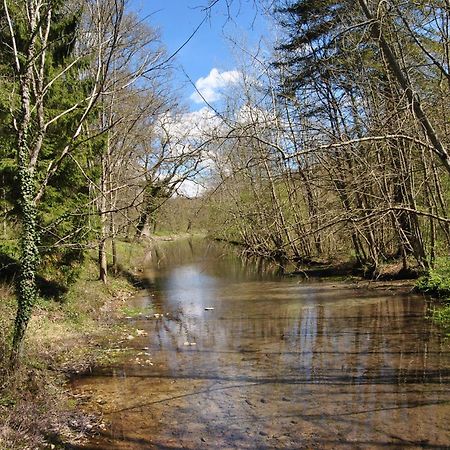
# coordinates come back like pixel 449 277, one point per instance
pixel 332 148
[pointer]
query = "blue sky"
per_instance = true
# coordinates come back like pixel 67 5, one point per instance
pixel 210 48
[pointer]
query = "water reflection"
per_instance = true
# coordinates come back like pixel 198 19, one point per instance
pixel 276 363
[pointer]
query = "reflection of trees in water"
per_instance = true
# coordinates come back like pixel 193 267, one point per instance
pixel 384 340
pixel 217 258
pixel 175 331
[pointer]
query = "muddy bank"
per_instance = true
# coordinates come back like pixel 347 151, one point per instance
pixel 392 272
pixel 313 268
pixel 233 355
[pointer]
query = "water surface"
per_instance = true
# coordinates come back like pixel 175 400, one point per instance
pixel 278 362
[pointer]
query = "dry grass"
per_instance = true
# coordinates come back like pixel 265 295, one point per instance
pixel 35 410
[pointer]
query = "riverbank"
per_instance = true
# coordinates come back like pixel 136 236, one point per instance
pixel 339 267
pixel 66 336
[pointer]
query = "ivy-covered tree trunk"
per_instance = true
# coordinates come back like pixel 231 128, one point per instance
pixel 29 257
pixel 49 104
pixel 29 253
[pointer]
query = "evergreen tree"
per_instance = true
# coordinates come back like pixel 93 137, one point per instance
pixel 47 68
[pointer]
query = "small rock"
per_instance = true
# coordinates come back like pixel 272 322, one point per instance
pixel 130 337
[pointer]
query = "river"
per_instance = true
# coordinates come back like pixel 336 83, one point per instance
pixel 231 354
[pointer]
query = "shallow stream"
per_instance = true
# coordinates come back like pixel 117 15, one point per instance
pixel 230 354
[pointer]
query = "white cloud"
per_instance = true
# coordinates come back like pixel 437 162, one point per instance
pixel 189 188
pixel 192 126
pixel 210 86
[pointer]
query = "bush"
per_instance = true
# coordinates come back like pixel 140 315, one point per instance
pixel 442 316
pixel 437 281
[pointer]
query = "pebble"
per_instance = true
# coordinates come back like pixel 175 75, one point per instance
pixel 141 333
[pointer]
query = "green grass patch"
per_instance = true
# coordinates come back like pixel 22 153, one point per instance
pixel 437 284
pixel 441 317
pixel 437 281
pixel 163 233
pixel 136 311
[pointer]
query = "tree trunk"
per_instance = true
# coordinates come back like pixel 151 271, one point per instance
pixel 150 206
pixel 29 258
pixel 102 259
pixel 112 231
